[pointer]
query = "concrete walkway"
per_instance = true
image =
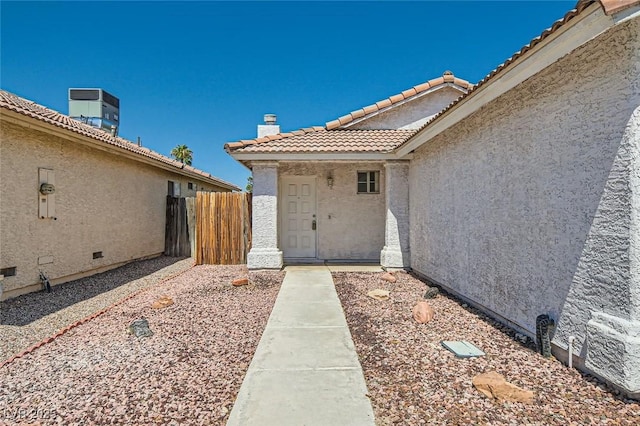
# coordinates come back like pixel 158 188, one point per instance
pixel 305 370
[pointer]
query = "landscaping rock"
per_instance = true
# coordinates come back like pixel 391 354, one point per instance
pixel 379 294
pixel 240 282
pixel 162 302
pixel 422 312
pixel 431 293
pixel 140 328
pixel 494 386
pixel 389 277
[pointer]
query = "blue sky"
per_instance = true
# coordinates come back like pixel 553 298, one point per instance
pixel 204 73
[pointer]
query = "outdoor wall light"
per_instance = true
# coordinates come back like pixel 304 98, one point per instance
pixel 330 181
pixel 47 188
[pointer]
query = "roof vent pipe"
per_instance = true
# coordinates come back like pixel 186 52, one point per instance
pixel 270 119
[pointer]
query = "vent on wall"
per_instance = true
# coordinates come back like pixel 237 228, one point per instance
pixel 97 254
pixel 8 272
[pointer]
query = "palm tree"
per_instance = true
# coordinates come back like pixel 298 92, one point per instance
pixel 183 154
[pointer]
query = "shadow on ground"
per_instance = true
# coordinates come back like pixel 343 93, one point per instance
pixel 27 308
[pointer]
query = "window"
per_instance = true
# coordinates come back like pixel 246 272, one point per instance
pixel 369 182
pixel 173 188
pixel 190 185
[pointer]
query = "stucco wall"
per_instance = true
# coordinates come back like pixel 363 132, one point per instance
pixel 103 203
pixel 413 114
pixel 525 207
pixel 350 225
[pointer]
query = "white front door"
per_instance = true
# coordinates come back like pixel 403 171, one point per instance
pixel 298 226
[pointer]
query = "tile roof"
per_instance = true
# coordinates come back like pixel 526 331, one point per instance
pixel 322 140
pixel 614 6
pixel 609 6
pixel 335 126
pixel 310 140
pixel 447 79
pixel 31 109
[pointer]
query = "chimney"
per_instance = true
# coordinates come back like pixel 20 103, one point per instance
pixel 269 127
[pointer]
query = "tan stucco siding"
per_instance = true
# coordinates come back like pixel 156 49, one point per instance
pixel 103 203
pixel 350 225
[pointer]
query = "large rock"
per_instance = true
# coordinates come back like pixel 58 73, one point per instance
pixel 494 386
pixel 162 302
pixel 423 312
pixel 379 294
pixel 140 328
pixel 240 282
pixel 389 277
pixel 431 293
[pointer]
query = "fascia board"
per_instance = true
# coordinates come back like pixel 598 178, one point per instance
pixel 328 156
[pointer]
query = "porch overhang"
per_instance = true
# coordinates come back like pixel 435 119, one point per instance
pixel 335 157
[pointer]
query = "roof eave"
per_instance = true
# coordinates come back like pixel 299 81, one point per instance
pixel 36 124
pixel 573 34
pixel 247 157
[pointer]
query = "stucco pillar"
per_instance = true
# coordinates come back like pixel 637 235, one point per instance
pixel 613 334
pixel 395 253
pixel 264 253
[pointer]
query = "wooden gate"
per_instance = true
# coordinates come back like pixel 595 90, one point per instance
pixel 223 227
pixel 176 236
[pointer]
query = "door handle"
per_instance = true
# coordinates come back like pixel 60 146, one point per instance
pixel 313 225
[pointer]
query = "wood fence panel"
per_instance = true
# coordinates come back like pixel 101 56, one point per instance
pixel 223 227
pixel 191 222
pixel 176 236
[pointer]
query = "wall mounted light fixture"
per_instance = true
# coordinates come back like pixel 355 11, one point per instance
pixel 330 181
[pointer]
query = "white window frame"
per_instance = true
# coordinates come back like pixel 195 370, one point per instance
pixel 372 177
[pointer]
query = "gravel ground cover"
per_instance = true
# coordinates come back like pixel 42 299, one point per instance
pixel 413 380
pixel 27 319
pixel 188 372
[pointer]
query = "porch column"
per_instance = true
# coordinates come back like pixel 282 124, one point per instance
pixel 613 332
pixel 395 253
pixel 264 253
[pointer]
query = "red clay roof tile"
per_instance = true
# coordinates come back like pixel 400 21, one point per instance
pixel 436 81
pixel 345 119
pixel 409 92
pixel 422 87
pixel 357 114
pixel 12 102
pixel 332 125
pixel 321 140
pixel 613 6
pixel 369 109
pixel 383 104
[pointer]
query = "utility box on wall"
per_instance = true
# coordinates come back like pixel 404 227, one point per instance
pixel 95 107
